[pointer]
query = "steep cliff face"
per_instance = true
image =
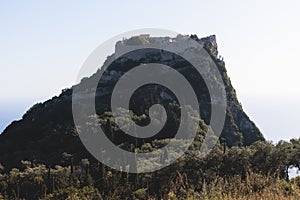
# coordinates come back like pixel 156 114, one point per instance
pixel 47 129
pixel 238 129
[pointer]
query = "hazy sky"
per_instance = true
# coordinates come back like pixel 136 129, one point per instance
pixel 44 43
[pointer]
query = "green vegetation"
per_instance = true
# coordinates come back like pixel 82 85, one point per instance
pixel 253 172
pixel 43 158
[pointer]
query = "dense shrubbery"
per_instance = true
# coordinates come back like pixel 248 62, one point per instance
pixel 256 171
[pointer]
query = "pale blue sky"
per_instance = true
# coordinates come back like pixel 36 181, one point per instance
pixel 44 43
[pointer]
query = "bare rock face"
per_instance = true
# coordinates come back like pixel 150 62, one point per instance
pixel 47 129
pixel 210 42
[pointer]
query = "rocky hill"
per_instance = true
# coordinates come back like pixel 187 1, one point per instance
pixel 46 133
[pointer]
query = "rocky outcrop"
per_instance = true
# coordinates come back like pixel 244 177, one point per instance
pixel 47 129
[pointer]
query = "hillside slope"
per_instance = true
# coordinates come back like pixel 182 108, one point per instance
pixel 47 130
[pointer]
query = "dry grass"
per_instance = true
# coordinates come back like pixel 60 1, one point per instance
pixel 254 187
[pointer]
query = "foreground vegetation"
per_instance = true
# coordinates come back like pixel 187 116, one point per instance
pixel 258 171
